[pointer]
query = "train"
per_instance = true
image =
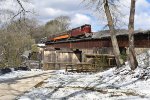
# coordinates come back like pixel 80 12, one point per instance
pixel 82 31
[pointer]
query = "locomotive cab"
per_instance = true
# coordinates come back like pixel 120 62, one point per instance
pixel 86 28
pixel 81 31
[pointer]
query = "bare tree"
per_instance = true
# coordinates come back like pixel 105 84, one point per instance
pixel 15 35
pixel 20 10
pixel 64 22
pixel 13 42
pixel 59 24
pixel 132 56
pixel 23 11
pixel 104 5
pixel 51 27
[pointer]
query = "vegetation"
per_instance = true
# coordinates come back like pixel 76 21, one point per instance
pixel 59 24
pixel 14 40
pixel 124 56
pixel 101 63
pixel 22 35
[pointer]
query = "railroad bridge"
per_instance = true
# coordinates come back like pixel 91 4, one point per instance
pixel 60 53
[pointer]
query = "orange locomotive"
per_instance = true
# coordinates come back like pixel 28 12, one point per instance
pixel 74 33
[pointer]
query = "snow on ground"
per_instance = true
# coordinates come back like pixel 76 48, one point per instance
pixel 19 74
pixel 112 84
pixel 107 85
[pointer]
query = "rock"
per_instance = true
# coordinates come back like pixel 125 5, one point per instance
pixel 23 68
pixel 5 70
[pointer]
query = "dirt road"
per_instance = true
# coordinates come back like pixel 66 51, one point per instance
pixel 10 89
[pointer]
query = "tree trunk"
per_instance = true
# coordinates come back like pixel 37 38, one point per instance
pixel 132 59
pixel 116 50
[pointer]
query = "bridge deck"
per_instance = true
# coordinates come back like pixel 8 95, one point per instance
pixel 141 41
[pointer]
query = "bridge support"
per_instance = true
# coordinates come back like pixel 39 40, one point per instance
pixel 55 59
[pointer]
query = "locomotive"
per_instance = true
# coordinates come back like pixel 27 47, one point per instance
pixel 82 31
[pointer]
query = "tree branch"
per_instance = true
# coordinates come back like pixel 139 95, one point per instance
pixel 21 12
pixel 23 9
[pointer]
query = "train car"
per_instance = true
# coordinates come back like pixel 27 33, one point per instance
pixel 80 31
pixel 76 32
pixel 62 36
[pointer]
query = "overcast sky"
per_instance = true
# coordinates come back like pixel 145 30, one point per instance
pixel 49 9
